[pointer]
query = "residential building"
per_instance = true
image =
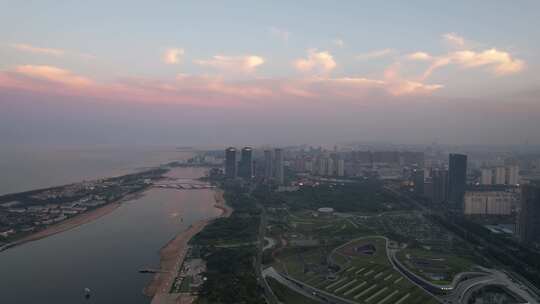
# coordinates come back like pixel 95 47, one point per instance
pixel 489 202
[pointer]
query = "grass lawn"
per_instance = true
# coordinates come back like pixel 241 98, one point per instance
pixel 368 278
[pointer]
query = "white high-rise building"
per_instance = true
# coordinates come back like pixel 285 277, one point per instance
pixel 487 176
pixel 500 176
pixel 512 174
pixel 321 169
pixel 340 167
pixel 330 167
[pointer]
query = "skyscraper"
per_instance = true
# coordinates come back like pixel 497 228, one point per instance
pixel 230 162
pixel 418 180
pixel 245 169
pixel 330 166
pixel 268 164
pixel 512 175
pixel 340 167
pixel 278 170
pixel 457 180
pixel 439 185
pixel 529 216
pixel 500 176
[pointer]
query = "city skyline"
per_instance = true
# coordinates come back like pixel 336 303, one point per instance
pixel 286 71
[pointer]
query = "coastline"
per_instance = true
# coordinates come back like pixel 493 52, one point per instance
pixel 173 253
pixel 73 222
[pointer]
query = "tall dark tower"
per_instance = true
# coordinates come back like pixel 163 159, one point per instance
pixel 245 169
pixel 418 180
pixel 268 165
pixel 457 180
pixel 440 185
pixel 278 166
pixel 529 216
pixel 230 162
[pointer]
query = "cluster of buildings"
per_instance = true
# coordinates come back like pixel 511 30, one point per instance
pixel 382 164
pixel 491 202
pixel 499 193
pixel 245 168
pixel 323 165
pixel 453 186
pixel 495 190
pixel 502 175
pixel 16 218
pixel 34 210
pixel 443 185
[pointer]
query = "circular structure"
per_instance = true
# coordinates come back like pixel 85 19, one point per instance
pixel 325 211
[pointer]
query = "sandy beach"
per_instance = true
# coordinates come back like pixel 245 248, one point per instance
pixel 75 221
pixel 173 253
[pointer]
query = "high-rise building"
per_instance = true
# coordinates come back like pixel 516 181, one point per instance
pixel 230 162
pixel 340 167
pixel 507 175
pixel 512 175
pixel 278 164
pixel 439 185
pixel 457 180
pixel 309 166
pixel 268 164
pixel 428 188
pixel 487 176
pixel 500 176
pixel 529 215
pixel 330 170
pixel 245 169
pixel 418 180
pixel 321 166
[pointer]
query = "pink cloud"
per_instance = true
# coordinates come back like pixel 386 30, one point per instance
pixel 28 48
pixel 233 64
pixel 38 50
pixel 211 90
pixel 376 54
pixel 321 62
pixel 419 56
pixel 53 74
pixel 499 62
pixel 173 55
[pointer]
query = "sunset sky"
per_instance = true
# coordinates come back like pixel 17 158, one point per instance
pixel 219 72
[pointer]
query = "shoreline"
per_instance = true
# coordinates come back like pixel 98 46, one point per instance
pixel 73 222
pixel 173 253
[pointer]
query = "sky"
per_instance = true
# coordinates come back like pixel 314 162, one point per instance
pixel 269 72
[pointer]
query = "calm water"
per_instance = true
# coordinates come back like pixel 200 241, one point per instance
pixel 105 254
pixel 32 167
